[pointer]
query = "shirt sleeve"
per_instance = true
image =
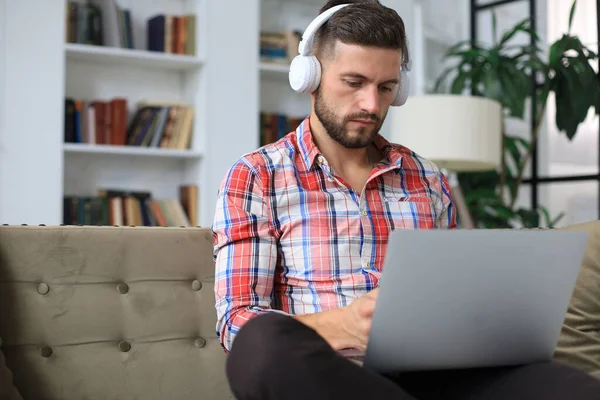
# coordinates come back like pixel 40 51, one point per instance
pixel 245 251
pixel 447 218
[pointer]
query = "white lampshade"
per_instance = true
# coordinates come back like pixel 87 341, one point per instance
pixel 458 133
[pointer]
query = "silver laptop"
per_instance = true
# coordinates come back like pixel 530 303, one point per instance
pixel 472 298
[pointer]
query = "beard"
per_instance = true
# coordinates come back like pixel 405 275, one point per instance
pixel 335 125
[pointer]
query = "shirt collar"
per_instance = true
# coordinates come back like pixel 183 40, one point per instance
pixel 391 153
pixel 309 150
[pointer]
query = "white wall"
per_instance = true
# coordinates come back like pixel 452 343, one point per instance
pixel 233 80
pixel 30 153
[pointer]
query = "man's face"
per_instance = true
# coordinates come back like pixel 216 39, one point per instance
pixel 358 85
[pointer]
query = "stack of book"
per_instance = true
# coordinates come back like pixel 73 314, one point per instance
pixel 279 47
pixel 275 126
pixel 99 22
pixel 96 121
pixel 161 124
pixel 167 125
pixel 132 208
pixel 174 34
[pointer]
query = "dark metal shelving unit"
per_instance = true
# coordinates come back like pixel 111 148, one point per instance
pixel 535 179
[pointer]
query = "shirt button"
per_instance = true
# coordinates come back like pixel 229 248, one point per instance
pixel 368 264
pixel 364 213
pixel 321 159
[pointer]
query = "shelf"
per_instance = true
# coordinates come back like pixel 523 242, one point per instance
pixel 99 149
pixel 274 71
pixel 140 58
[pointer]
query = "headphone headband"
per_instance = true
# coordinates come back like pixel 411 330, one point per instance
pixel 406 60
pixel 308 38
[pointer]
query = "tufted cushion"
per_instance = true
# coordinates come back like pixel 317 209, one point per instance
pixel 579 343
pixel 110 312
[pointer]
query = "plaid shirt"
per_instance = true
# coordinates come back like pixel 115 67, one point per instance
pixel 290 236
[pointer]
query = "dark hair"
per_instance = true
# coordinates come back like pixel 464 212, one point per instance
pixel 364 22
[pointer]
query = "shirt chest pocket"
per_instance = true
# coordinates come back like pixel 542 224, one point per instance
pixel 410 212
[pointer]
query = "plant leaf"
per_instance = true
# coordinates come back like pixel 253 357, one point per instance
pixel 494 28
pixel 458 85
pixel 511 96
pixel 574 83
pixel 555 221
pixel 513 145
pixel 457 46
pixel 529 218
pixel 492 86
pixel 571 14
pixel 440 81
pixel 480 194
pixel 517 28
pixel 550 223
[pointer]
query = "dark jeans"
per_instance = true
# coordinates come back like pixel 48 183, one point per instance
pixel 276 357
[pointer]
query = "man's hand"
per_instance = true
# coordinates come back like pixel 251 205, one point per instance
pixel 359 319
pixel 345 328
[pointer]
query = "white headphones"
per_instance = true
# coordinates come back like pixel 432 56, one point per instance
pixel 305 69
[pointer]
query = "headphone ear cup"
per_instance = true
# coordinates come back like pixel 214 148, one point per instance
pixel 305 74
pixel 403 89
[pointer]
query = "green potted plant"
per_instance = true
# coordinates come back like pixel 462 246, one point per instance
pixel 504 71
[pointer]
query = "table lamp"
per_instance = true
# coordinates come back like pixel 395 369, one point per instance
pixel 459 133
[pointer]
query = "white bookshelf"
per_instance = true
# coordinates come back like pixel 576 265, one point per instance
pixel 272 71
pixel 39 69
pixel 129 151
pixel 131 57
pixel 104 72
pixel 277 69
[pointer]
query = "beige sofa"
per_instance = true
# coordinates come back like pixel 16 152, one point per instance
pixel 128 313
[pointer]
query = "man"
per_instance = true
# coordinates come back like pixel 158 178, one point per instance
pixel 301 231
